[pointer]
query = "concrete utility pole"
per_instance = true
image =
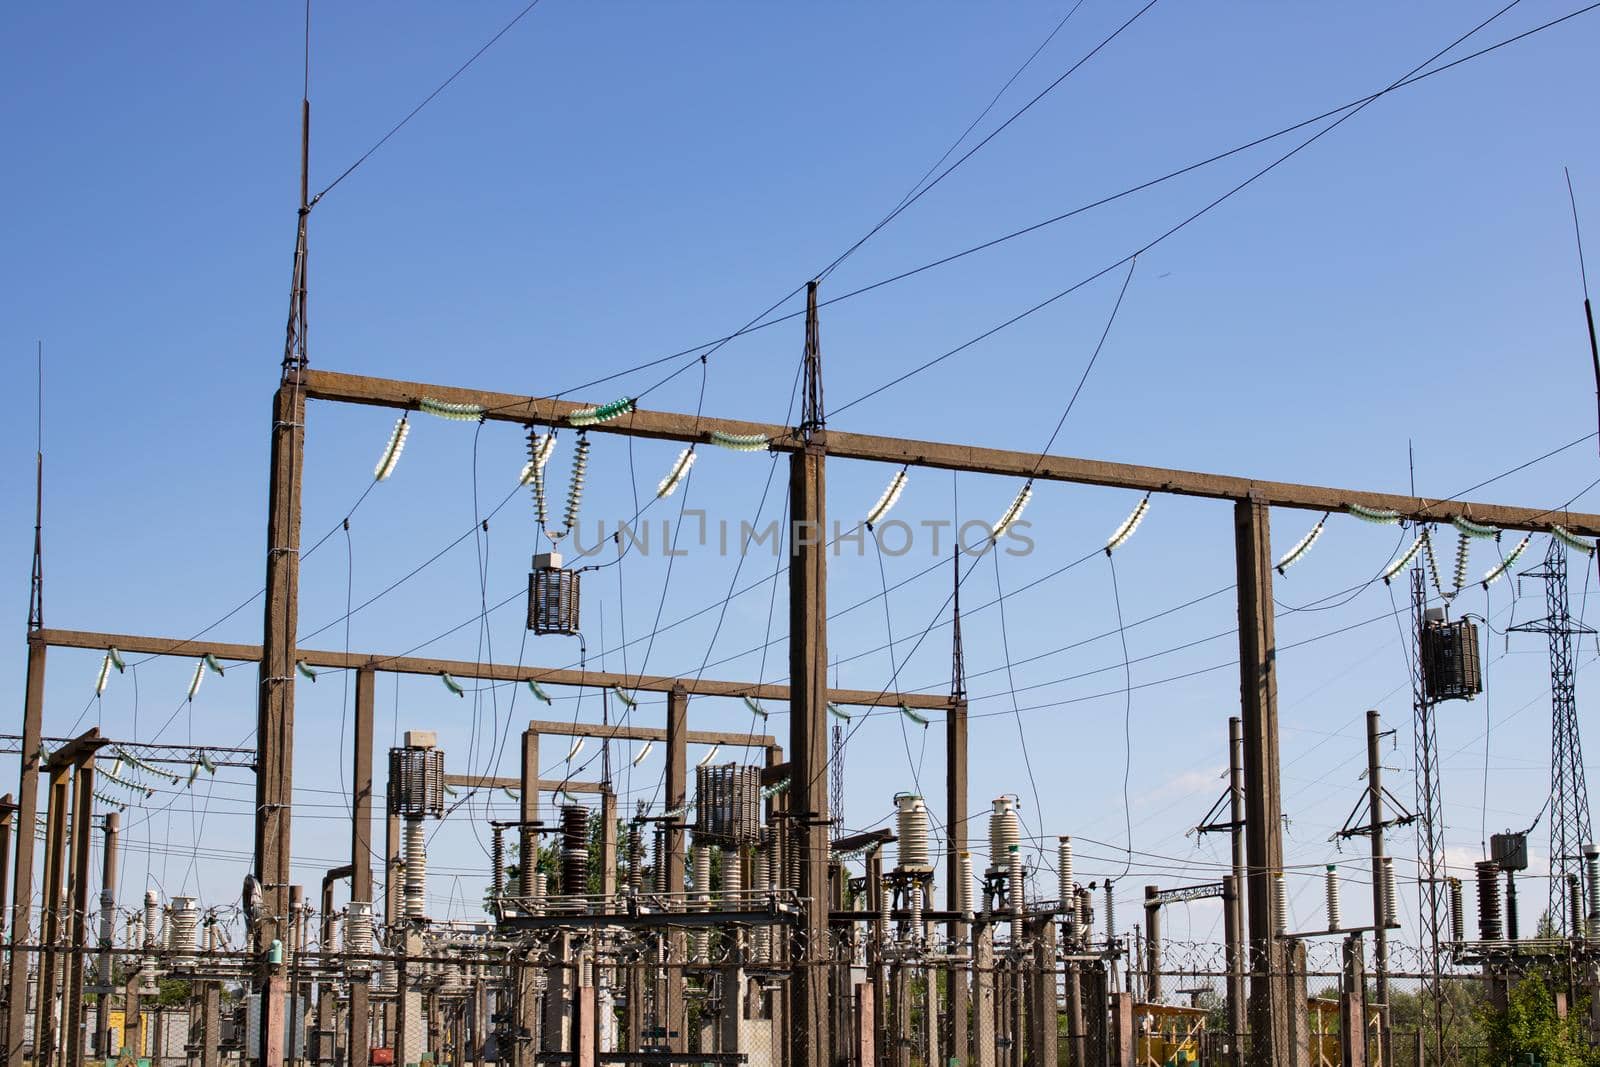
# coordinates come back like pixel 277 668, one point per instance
pixel 809 1034
pixel 1380 908
pixel 1258 698
pixel 275 705
pixel 359 1040
pixel 22 882
pixel 108 933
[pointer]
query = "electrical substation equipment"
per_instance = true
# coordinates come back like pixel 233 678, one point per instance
pixel 915 856
pixel 416 792
pixel 727 805
pixel 1451 667
pixel 552 596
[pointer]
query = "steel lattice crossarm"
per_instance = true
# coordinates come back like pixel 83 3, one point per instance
pixel 176 755
pixel 487 672
pixel 1182 893
pixel 671 426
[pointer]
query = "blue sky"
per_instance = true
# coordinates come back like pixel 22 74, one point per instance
pixel 612 183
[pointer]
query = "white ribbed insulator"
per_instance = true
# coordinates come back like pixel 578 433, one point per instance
pixel 358 936
pixel 701 863
pixel 915 907
pixel 108 918
pixel 1014 890
pixel 1391 896
pixel 152 909
pixel 1335 922
pixel 964 882
pixel 760 886
pixel 732 874
pixel 1064 881
pixel 184 926
pixel 912 817
pixel 1005 830
pixel 885 912
pixel 1280 905
pixel 416 886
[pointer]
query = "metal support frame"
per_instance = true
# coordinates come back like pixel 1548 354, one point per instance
pixel 809 696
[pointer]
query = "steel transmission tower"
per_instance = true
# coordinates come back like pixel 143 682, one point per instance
pixel 1569 794
pixel 1430 806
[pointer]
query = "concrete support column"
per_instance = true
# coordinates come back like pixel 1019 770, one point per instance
pixel 1258 697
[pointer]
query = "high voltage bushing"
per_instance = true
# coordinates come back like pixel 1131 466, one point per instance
pixel 358 937
pixel 727 804
pixel 911 816
pixel 1458 918
pixel 1574 906
pixel 1280 905
pixel 1332 879
pixel 1005 830
pixel 1014 892
pixel 184 930
pixel 1591 874
pixel 1451 669
pixel 964 883
pixel 1489 928
pixel 1391 894
pixel 552 596
pixel 574 849
pixel 635 860
pixel 1064 882
pixel 497 864
pixel 700 863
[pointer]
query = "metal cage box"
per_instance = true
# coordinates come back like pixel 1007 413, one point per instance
pixel 416 782
pixel 1451 668
pixel 553 600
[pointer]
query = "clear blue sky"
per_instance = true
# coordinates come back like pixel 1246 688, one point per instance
pixel 611 183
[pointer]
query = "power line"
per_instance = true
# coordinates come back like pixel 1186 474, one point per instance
pixel 425 102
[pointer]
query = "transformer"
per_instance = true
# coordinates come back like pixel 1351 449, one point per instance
pixel 552 596
pixel 1451 668
pixel 1509 850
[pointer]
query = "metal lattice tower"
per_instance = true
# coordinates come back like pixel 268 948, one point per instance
pixel 1569 793
pixel 958 663
pixel 1430 806
pixel 836 782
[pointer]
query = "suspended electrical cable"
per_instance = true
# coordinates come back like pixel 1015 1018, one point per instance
pixel 761 322
pixel 397 127
pixel 1164 235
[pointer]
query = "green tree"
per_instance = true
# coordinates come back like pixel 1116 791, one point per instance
pixel 1530 1031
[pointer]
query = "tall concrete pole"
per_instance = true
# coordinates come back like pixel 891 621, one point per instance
pixel 808 750
pixel 108 934
pixel 1258 698
pixel 78 922
pixel 359 1042
pixel 275 700
pixel 22 880
pixel 1235 945
pixel 956 842
pixel 672 1013
pixel 1380 933
pixel 46 1039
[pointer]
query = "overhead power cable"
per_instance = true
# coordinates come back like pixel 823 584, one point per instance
pixel 397 127
pixel 762 323
pixel 1182 224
